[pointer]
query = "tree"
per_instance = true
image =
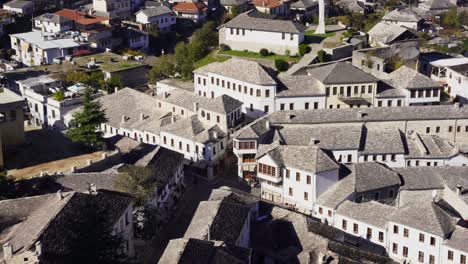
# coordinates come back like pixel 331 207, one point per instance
pixel 207 36
pixel 264 52
pixel 96 80
pixel 77 77
pixel 281 65
pixel 322 56
pixel 164 67
pixel 304 49
pixel 59 95
pixel 235 10
pixel 184 62
pixel 136 181
pixel 113 82
pixel 86 122
pixel 89 236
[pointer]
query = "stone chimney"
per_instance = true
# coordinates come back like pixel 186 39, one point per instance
pixel 173 119
pixel 142 116
pixel 459 189
pixel 195 106
pixel 215 134
pixel 267 125
pixel 92 188
pixel 124 118
pixel 313 141
pixel 7 251
pixel 38 248
pixel 116 89
pixel 165 95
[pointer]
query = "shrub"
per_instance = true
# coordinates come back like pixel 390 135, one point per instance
pixel 304 49
pixel 322 56
pixel 264 52
pixel 224 47
pixel 281 65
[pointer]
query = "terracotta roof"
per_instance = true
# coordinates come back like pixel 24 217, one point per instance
pixel 80 17
pixel 189 7
pixel 268 3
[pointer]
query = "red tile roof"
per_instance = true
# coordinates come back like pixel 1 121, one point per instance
pixel 189 7
pixel 268 3
pixel 80 17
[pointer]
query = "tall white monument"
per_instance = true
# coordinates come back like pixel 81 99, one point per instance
pixel 321 25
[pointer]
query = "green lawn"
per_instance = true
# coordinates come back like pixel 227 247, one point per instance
pixel 210 58
pixel 249 54
pixel 310 33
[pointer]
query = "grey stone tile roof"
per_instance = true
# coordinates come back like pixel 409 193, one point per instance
pixel 52 18
pixel 223 104
pixel 341 73
pixel 80 182
pixel 462 68
pixel 131 104
pixel 304 4
pixel 180 84
pixel 156 11
pixel 372 114
pixel 372 213
pixel 306 158
pixel 232 2
pixel 18 3
pixel 253 130
pixel 435 220
pixel 182 250
pixel 429 147
pixel 299 85
pixel 383 141
pixel 373 176
pixel 331 138
pixel 338 193
pixel 407 78
pixel 436 4
pixel 390 93
pixel 458 239
pixel 240 69
pixel 420 178
pixel 8 97
pixel 385 32
pixel 247 21
pixel 193 128
pixel 402 15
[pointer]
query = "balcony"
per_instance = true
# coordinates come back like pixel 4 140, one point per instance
pixel 269 178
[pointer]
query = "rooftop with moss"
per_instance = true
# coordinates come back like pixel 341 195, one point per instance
pixel 108 62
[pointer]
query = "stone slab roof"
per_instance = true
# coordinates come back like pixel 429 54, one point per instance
pixel 407 78
pixel 248 21
pixel 429 147
pixel 458 239
pixel 402 15
pixel 341 73
pixel 156 11
pixel 193 128
pixel 462 68
pixel 338 193
pixel 372 213
pixel 300 85
pixel 383 141
pixel 385 32
pixel 373 176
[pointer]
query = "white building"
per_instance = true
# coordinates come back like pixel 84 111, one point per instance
pixel 37 48
pixel 160 16
pixel 114 9
pixel 386 33
pixel 457 82
pixel 195 12
pixel 403 17
pixel 19 7
pixel 248 31
pixel 52 23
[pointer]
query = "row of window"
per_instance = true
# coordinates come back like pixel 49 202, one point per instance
pixel 349 90
pixel 235 87
pixel 449 129
pixel 306 106
pixel 245 145
pixel 390 103
pixel 298 177
pixel 424 93
pixel 432 240
pixel 187 147
pixel 344 226
pixel 450 257
pixel 350 106
pixel 267 169
pixel 291 193
pixel 410 163
pixel 390 157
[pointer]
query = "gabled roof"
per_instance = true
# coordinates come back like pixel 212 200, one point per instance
pixel 189 7
pixel 373 176
pixel 341 73
pixel 192 128
pixel 299 85
pixel 458 239
pixel 307 158
pixel 434 221
pixel 402 15
pixel 429 146
pixel 247 20
pixel 156 11
pixel 240 69
pixel 373 213
pixel 408 78
pixel 382 141
pixel 436 4
pixel 18 4
pixel 80 17
pixel 304 4
pixel 462 69
pixel 386 33
pixel 267 3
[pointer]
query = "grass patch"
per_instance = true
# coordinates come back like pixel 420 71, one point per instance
pixel 310 33
pixel 255 55
pixel 210 58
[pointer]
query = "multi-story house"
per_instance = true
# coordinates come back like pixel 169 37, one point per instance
pixel 114 9
pixel 273 7
pixel 11 120
pixel 52 23
pixel 19 7
pixel 457 82
pixel 194 12
pixel 295 175
pixel 161 17
pixel 37 48
pixel 39 225
pixel 403 17
pixel 385 33
pixel 250 31
pixel 260 90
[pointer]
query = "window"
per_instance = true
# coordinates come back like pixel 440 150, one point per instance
pixel 180 145
pixel 267 93
pixel 413 94
pixel 437 129
pixel 369 89
pixel 450 128
pixel 428 93
pixel 377 196
pixel 309 180
pixel 395 229
pixel 428 130
pixel 390 193
pixel 298 176
pixel 379 103
pixel 405 232
pixel 398 102
pixel 380 236
pixel 283 35
pixel 291 37
pixel 287 174
pixel 334 90
pixel 355 228
pixel 421 238
pixel 315 105
pixel 306 106
pixel 290 191
pixel 369 233
pixel 306 196
pixel 462 259
pixel 259 93
pixel 267 169
pixel 164 140
pixel 421 257
pixel 450 255
pixel 395 248
pixel 350 158
pixel 291 106
pixel 329 213
pixel 187 148
pixel 207 116
pixel 344 224
pixel 433 241
pixel 281 106
pixel 320 210
pixel 431 259
pixel 405 252
pixel 251 91
pixel 266 109
pixel 327 91
pixel 172 142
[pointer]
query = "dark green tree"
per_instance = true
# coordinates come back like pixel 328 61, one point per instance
pixel 184 62
pixel 164 67
pixel 112 83
pixel 86 122
pixel 137 182
pixel 90 237
pixel 235 10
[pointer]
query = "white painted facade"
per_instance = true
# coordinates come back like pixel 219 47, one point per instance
pixel 27 9
pixel 164 22
pixel 457 85
pixel 47 26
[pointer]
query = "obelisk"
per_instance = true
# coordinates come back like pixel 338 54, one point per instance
pixel 321 25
